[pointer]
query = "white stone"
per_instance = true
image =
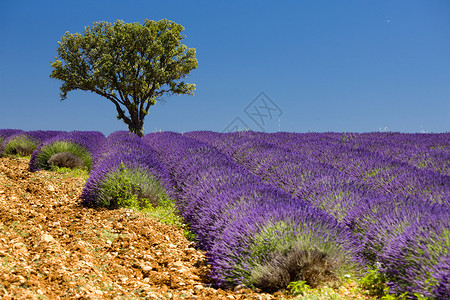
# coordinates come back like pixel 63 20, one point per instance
pixel 47 238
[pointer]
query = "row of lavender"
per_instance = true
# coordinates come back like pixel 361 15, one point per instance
pixel 424 151
pixel 257 228
pixel 337 178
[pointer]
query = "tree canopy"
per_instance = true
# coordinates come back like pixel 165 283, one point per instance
pixel 130 64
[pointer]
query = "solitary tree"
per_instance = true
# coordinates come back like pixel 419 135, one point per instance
pixel 132 65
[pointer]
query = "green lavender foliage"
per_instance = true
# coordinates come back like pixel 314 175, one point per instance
pixel 305 257
pixel 131 188
pixel 59 147
pixel 20 145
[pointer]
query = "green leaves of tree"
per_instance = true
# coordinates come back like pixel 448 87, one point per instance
pixel 130 64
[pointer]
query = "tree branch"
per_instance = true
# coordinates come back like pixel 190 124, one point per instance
pixel 109 96
pixel 121 113
pixel 150 93
pixel 118 88
pixel 141 113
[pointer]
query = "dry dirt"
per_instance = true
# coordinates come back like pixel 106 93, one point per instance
pixel 51 247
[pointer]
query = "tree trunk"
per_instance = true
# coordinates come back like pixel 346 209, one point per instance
pixel 136 125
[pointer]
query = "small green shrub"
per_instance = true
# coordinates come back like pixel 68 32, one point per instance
pixel 133 188
pixel 21 145
pixel 130 188
pixel 48 151
pixel 374 283
pixel 139 190
pixel 298 287
pixel 296 258
pixel 66 160
pixel 82 173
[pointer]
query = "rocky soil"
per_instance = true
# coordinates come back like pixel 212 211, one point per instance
pixel 51 247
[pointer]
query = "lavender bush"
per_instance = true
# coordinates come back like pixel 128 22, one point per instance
pixel 68 146
pixel 378 222
pixel 126 173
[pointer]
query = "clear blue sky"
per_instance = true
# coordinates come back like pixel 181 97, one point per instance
pixel 352 66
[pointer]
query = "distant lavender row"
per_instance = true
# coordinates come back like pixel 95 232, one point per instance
pixel 427 151
pixel 424 151
pixel 249 229
pixel 383 174
pixel 83 144
pixel 294 172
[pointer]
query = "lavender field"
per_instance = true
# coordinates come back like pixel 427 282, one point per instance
pixel 274 208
